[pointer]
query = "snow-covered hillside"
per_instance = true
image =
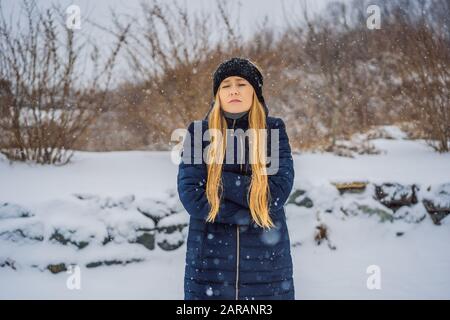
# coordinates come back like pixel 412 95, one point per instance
pixel 118 218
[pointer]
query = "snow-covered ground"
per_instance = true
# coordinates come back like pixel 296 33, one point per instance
pixel 125 194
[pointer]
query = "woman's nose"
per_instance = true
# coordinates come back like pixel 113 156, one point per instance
pixel 234 90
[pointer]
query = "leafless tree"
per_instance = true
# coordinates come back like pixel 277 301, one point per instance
pixel 46 102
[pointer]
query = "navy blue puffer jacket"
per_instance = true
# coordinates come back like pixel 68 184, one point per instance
pixel 234 258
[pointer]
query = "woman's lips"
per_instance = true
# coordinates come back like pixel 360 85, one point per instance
pixel 234 101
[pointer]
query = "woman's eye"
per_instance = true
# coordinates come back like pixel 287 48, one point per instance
pixel 241 84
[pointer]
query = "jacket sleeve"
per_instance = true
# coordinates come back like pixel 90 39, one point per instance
pixel 191 185
pixel 280 184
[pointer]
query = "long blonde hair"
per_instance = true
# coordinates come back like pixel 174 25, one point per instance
pixel 259 192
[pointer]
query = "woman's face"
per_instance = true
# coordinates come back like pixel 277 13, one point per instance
pixel 236 94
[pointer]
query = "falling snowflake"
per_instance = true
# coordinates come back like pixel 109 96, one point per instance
pixel 286 285
pixel 271 237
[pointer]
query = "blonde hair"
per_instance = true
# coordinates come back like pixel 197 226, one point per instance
pixel 259 192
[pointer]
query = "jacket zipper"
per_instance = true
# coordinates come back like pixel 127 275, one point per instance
pixel 237 262
pixel 240 142
pixel 237 245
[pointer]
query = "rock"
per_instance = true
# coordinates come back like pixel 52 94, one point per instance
pixel 123 202
pixel 154 209
pixel 94 264
pixel 10 210
pixel 382 214
pixel 171 239
pixel 350 187
pixel 107 202
pixel 354 208
pixel 57 268
pixel 173 203
pixel 10 263
pixel 147 239
pixel 437 202
pixel 32 232
pixel 395 195
pixel 167 246
pixel 436 214
pixel 172 228
pixel 86 196
pixel 414 214
pixel 111 262
pixel 168 226
pixel 107 239
pixel 299 198
pixel 64 240
pixel 305 202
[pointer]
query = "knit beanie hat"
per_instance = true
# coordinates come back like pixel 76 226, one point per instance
pixel 243 68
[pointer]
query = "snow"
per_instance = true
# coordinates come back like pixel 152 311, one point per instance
pixel 104 174
pixel 413 266
pixel 155 279
pixel 405 161
pixel 119 194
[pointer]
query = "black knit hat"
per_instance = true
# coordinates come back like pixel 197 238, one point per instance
pixel 243 68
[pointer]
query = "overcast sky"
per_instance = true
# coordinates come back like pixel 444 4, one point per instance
pixel 251 11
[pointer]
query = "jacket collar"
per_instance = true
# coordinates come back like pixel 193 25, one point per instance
pixel 238 123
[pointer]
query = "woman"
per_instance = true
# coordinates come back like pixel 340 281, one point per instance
pixel 238 245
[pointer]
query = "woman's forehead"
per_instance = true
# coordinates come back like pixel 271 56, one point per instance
pixel 234 78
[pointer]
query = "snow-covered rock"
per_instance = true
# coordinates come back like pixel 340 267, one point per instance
pixel 11 210
pixel 437 202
